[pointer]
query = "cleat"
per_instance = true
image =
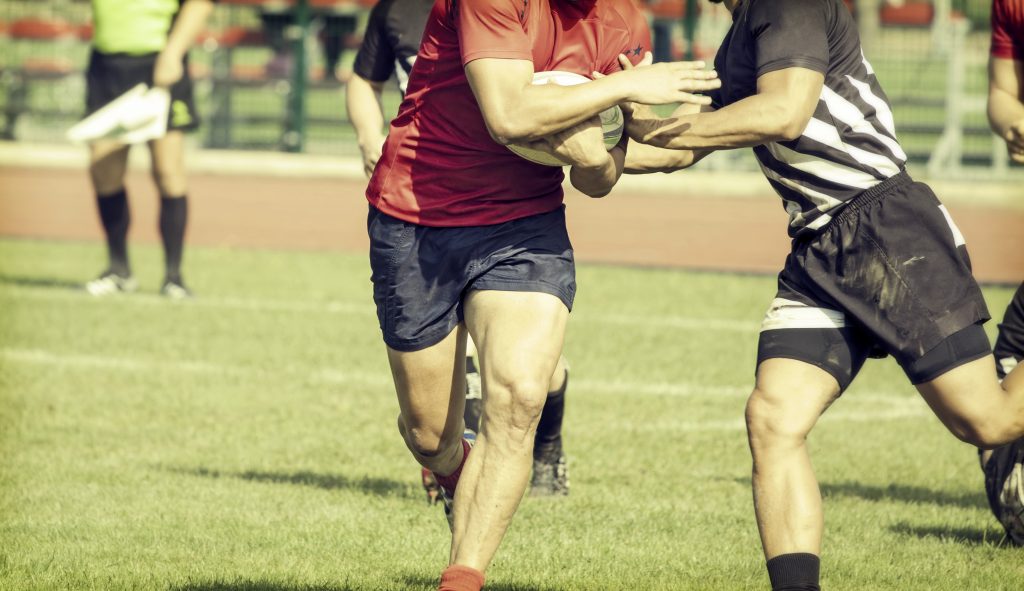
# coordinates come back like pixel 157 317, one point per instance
pixel 430 486
pixel 110 283
pixel 1004 484
pixel 175 290
pixel 550 479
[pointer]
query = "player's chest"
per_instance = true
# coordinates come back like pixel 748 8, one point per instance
pixel 736 64
pixel 574 44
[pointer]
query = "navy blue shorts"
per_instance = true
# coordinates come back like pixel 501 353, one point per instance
pixel 421 274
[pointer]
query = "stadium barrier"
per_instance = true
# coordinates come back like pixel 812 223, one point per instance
pixel 270 73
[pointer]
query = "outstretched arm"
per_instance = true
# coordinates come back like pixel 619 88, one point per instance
pixel 187 26
pixel 515 110
pixel 781 109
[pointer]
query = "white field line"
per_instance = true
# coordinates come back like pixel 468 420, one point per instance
pixel 890 406
pixel 670 322
pixel 833 416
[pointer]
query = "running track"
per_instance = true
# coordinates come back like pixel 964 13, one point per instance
pixel 632 227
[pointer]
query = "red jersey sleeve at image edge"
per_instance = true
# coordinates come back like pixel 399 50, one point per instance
pixel 492 28
pixel 1008 29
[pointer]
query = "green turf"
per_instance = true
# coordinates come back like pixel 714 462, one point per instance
pixel 246 441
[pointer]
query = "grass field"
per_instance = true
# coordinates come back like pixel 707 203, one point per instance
pixel 245 441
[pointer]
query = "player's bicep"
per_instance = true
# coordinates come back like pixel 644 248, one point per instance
pixel 790 34
pixel 794 93
pixel 499 85
pixel 1007 75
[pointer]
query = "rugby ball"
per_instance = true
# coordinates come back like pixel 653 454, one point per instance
pixel 612 122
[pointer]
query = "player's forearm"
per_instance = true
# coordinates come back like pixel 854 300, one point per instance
pixel 546 109
pixel 598 181
pixel 1004 110
pixel 645 159
pixel 753 121
pixel 364 110
pixel 187 26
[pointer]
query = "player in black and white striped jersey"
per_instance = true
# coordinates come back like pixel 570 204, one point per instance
pixel 877 265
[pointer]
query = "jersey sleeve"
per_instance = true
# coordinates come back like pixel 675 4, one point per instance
pixel 493 29
pixel 1004 45
pixel 375 60
pixel 789 34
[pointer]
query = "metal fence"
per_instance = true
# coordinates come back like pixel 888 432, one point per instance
pixel 270 73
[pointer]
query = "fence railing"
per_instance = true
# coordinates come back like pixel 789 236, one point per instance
pixel 270 73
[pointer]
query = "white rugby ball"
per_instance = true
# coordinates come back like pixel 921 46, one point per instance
pixel 612 121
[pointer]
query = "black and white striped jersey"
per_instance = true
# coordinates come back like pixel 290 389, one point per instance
pixel 392 40
pixel 850 143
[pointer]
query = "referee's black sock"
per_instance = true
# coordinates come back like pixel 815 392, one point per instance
pixel 173 217
pixel 794 572
pixel 116 217
pixel 547 443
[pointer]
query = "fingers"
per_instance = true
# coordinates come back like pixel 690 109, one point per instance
pixel 626 64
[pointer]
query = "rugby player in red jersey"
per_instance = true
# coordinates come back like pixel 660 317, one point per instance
pixel 1006 116
pixel 467 237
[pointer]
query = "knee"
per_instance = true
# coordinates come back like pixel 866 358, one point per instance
pixel 771 425
pixel 515 402
pixel 106 179
pixel 422 439
pixel 170 181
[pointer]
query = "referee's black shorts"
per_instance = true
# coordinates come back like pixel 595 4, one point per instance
pixel 111 75
pixel 890 275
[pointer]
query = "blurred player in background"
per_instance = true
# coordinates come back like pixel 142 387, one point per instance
pixel 389 47
pixel 466 237
pixel 877 265
pixel 1004 466
pixel 143 42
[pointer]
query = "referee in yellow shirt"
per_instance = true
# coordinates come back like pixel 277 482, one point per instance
pixel 143 41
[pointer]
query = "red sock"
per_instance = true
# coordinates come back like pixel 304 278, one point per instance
pixel 461 578
pixel 452 480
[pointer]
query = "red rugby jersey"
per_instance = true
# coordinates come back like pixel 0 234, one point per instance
pixel 440 166
pixel 1008 29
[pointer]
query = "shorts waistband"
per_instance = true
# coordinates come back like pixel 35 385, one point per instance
pixel 873 195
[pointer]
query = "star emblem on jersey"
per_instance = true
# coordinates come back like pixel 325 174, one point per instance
pixel 639 49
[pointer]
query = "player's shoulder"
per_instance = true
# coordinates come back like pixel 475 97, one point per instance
pixel 626 13
pixel 777 7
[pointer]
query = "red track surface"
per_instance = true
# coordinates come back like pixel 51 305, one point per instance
pixel 634 228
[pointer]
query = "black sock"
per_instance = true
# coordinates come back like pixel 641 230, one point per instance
pixel 173 216
pixel 547 444
pixel 116 217
pixel 794 572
